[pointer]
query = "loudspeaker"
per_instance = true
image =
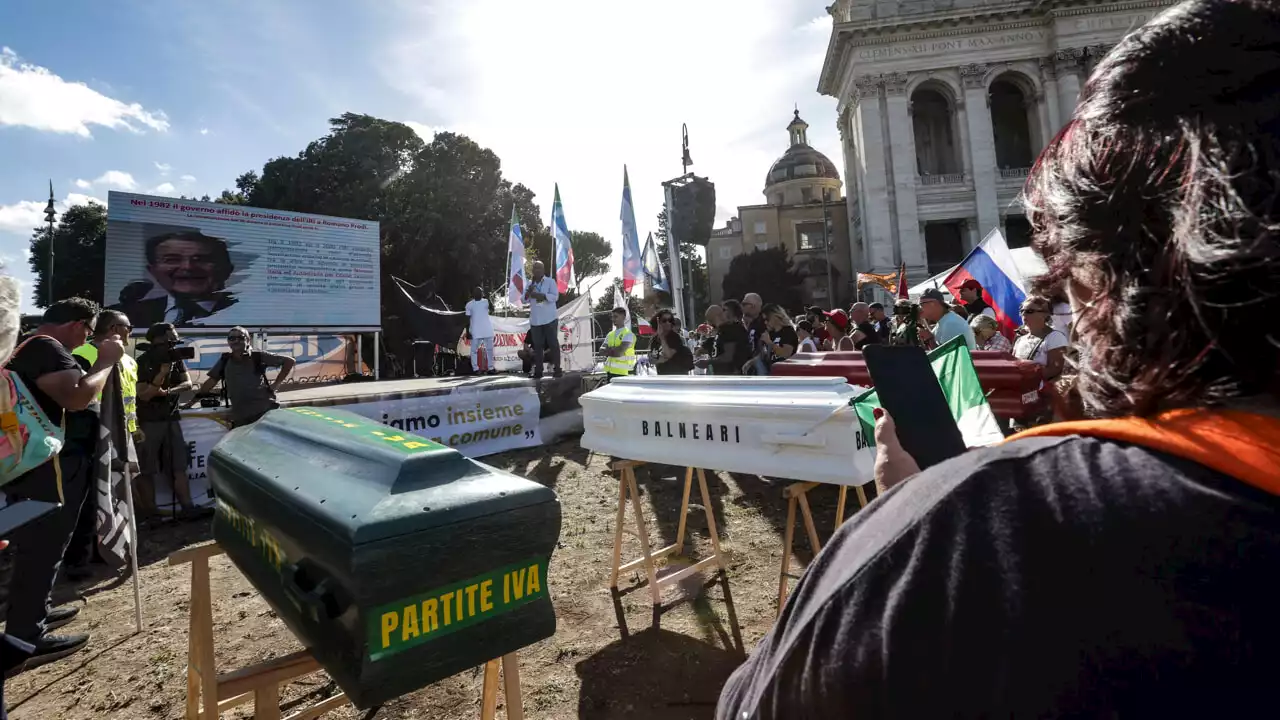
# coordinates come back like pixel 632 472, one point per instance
pixel 693 214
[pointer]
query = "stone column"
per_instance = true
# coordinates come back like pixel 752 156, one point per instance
pixel 970 228
pixel 1042 112
pixel 1068 63
pixel 981 144
pixel 1049 79
pixel 903 147
pixel 878 239
pixel 962 136
pixel 852 187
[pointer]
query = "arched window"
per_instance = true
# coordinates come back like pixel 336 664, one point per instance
pixel 1011 111
pixel 933 122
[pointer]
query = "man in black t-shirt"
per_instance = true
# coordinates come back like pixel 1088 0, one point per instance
pixel 880 321
pixel 752 306
pixel 865 332
pixel 164 454
pixel 732 347
pixel 55 381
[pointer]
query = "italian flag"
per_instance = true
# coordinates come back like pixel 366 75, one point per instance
pixel 959 380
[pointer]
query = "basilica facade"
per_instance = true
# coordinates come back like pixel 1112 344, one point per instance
pixel 944 106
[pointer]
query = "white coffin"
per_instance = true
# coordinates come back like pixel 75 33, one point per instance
pixel 798 428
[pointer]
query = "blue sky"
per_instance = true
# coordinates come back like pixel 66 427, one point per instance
pixel 180 98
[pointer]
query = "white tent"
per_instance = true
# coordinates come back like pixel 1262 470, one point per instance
pixel 1029 264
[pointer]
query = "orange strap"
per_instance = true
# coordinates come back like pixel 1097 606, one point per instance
pixel 1244 445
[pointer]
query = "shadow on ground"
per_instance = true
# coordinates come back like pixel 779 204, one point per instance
pixel 654 675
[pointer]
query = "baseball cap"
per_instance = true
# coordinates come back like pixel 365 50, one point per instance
pixel 970 284
pixel 839 317
pixel 933 294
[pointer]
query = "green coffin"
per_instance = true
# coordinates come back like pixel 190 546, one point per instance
pixel 396 561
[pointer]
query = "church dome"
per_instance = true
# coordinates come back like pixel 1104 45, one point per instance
pixel 800 161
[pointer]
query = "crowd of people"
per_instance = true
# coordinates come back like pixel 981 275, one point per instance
pixel 750 336
pixel 1118 564
pixel 74 365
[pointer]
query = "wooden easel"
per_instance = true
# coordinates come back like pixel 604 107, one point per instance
pixel 261 683
pixel 798 494
pixel 627 487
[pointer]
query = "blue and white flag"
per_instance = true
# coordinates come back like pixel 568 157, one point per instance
pixel 564 247
pixel 653 266
pixel 632 264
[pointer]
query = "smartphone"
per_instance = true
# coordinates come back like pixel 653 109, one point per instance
pixel 20 513
pixel 909 391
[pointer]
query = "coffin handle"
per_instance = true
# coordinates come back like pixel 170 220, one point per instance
pixel 810 441
pixel 315 596
pixel 603 423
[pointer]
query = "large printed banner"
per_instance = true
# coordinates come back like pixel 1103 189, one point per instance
pixel 575 338
pixel 473 422
pixel 209 265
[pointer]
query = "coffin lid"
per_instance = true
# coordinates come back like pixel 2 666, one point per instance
pixel 798 394
pixel 363 481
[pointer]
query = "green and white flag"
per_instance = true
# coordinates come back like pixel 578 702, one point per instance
pixel 959 380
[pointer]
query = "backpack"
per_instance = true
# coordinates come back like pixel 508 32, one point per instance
pixel 28 438
pixel 259 369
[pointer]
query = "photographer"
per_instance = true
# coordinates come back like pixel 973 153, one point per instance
pixel 162 377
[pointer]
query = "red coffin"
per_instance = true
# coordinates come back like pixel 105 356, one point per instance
pixel 1011 385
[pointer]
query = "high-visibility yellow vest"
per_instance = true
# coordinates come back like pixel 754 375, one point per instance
pixel 128 382
pixel 623 364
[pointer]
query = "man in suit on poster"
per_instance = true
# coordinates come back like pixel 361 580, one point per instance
pixel 188 272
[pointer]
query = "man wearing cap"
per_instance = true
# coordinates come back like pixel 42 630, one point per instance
pixel 837 327
pixel 945 324
pixel 971 294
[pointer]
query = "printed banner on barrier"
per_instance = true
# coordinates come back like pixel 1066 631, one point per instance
pixel 475 423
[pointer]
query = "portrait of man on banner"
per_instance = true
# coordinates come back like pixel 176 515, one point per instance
pixel 186 278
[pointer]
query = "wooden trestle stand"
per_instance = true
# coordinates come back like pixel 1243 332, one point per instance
pixel 261 682
pixel 798 494
pixel 627 488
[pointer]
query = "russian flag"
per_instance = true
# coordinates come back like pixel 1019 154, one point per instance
pixel 991 264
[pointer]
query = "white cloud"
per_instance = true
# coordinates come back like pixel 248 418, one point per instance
pixel 204 131
pixel 23 216
pixel 597 103
pixel 84 184
pixel 32 96
pixel 117 179
pixel 164 189
pixel 426 132
pixel 188 178
pixel 164 168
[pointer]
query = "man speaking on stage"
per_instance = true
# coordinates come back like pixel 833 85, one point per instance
pixel 543 321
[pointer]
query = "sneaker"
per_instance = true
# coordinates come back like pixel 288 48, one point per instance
pixel 60 616
pixel 50 648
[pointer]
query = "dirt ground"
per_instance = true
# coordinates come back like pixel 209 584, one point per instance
pixel 608 658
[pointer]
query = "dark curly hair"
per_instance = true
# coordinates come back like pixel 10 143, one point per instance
pixel 1159 204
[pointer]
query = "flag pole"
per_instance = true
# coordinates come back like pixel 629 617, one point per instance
pixel 133 550
pixel 506 281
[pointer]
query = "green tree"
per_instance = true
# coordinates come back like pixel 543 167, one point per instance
pixel 693 269
pixel 443 207
pixel 79 255
pixel 768 273
pixel 591 254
